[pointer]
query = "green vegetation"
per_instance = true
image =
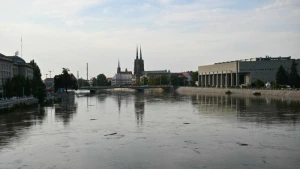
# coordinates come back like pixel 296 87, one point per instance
pixel 158 80
pixel 82 83
pixel 228 92
pixel 20 86
pixel 258 84
pixel 194 77
pixel 293 78
pixel 100 81
pixel 65 80
pixel 281 76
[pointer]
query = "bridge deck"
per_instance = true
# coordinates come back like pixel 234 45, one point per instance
pixel 119 87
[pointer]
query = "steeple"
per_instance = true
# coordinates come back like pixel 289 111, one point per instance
pixel 119 68
pixel 137 53
pixel 141 52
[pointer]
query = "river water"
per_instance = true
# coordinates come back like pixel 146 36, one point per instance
pixel 154 130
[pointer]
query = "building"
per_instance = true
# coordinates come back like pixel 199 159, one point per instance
pixel 243 72
pixel 14 65
pixel 121 78
pixel 138 65
pixel 155 73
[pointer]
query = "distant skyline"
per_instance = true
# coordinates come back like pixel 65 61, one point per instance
pixel 177 35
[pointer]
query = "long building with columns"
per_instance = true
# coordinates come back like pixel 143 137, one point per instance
pixel 243 72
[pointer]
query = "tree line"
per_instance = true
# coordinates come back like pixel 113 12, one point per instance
pixel 283 78
pixel 20 86
pixel 65 80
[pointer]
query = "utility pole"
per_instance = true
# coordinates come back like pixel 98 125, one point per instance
pixel 87 71
pixel 50 73
pixel 21 47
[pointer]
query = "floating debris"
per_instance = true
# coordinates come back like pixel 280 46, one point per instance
pixel 93 119
pixel 186 123
pixel 242 144
pixel 110 134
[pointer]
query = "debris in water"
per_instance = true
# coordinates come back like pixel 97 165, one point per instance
pixel 186 123
pixel 242 144
pixel 110 134
pixel 93 119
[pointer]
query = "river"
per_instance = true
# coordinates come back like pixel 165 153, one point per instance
pixel 118 130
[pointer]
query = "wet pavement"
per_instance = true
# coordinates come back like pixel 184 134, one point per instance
pixel 154 130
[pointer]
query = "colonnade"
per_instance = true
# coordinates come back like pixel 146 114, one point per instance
pixel 218 79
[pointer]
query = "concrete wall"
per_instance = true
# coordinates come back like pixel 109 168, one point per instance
pixel 231 66
pixel 287 94
pixel 265 70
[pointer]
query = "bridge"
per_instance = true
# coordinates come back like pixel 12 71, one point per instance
pixel 93 89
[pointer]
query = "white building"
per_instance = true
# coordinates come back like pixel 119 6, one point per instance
pixel 14 65
pixel 121 78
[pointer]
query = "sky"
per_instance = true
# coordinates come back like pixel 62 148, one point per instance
pixel 177 35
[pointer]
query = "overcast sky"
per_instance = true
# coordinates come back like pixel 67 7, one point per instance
pixel 175 34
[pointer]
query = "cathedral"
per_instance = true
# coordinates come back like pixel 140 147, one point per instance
pixel 138 64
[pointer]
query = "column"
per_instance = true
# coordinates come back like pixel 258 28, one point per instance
pixel 205 79
pixel 226 79
pixel 213 79
pixel 231 79
pixel 237 74
pixel 217 79
pixel 221 79
pixel 198 79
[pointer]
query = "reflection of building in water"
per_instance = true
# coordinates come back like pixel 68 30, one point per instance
pixel 259 110
pixel 66 110
pixel 139 105
pixel 14 125
pixel 215 103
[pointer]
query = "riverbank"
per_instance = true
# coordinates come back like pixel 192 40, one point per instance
pixel 291 94
pixel 22 103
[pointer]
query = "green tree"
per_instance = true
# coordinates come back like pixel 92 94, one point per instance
pixel 18 83
pixel 144 81
pixel 100 80
pixel 82 83
pixel 8 88
pixel 258 83
pixel 294 79
pixel 37 86
pixel 194 77
pixel 65 80
pixel 152 81
pixel 281 76
pixel 27 87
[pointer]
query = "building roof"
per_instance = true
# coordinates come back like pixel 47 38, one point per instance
pixel 156 71
pixel 17 59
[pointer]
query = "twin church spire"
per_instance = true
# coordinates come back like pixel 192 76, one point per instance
pixel 137 52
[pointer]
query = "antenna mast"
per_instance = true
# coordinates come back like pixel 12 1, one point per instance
pixel 21 47
pixel 87 71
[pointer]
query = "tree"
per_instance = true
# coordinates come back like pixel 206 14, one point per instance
pixel 144 81
pixel 65 80
pixel 281 76
pixel 27 87
pixel 100 80
pixel 8 88
pixel 82 83
pixel 37 86
pixel 152 81
pixel 258 83
pixel 194 77
pixel 18 83
pixel 294 79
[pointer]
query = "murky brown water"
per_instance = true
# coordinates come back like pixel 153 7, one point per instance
pixel 154 131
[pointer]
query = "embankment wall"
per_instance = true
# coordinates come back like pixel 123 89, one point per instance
pixel 291 94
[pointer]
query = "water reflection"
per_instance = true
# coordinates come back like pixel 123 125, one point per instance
pixel 139 106
pixel 13 126
pixel 250 109
pixel 65 111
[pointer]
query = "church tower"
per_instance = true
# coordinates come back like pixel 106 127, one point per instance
pixel 119 68
pixel 138 63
